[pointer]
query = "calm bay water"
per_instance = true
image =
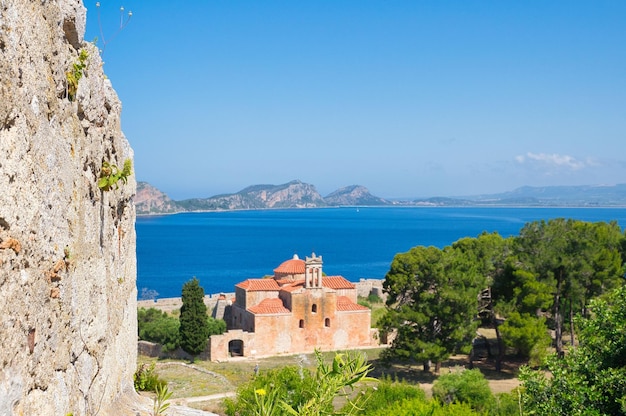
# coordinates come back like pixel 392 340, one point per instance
pixel 224 248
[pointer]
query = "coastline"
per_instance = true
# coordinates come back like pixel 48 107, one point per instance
pixel 393 206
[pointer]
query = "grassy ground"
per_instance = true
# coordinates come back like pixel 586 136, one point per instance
pixel 205 378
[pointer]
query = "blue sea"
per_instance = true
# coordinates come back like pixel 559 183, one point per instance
pixel 224 248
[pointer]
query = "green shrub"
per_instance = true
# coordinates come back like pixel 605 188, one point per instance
pixel 293 384
pixel 297 391
pixel 146 379
pixel 508 404
pixel 421 407
pixel 388 391
pixel 464 386
pixel 157 326
pixel 216 326
pixel 374 298
pixel 527 334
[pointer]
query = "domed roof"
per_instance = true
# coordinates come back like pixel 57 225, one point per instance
pixel 291 266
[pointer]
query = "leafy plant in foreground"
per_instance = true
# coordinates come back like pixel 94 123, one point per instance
pixel 162 396
pixel 111 174
pixel 146 379
pixel 75 74
pixel 297 392
pixel 293 384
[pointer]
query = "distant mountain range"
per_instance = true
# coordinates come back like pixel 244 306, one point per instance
pixel 297 194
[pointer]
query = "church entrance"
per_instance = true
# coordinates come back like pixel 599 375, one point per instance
pixel 235 348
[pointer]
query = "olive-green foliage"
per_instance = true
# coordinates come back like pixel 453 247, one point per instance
pixel 337 379
pixel 432 298
pixel 559 265
pixel 157 326
pixel 146 379
pixel 298 392
pixel 371 299
pixel 75 74
pixel 527 334
pixel 591 379
pixel 464 386
pixel 160 404
pixel 387 391
pixel 110 174
pixel 292 384
pixel 421 407
pixel 194 327
pixel 508 404
pixel 216 326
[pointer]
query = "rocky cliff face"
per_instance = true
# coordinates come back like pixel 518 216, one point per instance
pixel 67 248
pixel 149 200
pixel 354 195
pixel 294 194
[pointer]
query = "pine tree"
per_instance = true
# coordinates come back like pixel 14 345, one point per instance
pixel 194 328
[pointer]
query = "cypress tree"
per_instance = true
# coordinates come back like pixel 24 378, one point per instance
pixel 194 328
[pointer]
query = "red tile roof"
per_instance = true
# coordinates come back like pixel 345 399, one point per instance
pixel 291 266
pixel 258 285
pixel 295 285
pixel 269 306
pixel 344 304
pixel 337 282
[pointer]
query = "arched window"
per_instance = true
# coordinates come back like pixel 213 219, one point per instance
pixel 301 323
pixel 314 308
pixel 327 322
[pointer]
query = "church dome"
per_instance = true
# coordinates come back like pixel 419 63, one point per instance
pixel 291 266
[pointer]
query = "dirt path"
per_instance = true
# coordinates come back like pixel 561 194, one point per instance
pixel 186 400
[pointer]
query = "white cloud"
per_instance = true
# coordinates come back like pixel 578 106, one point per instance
pixel 553 160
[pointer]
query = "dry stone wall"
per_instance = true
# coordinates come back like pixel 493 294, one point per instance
pixel 67 249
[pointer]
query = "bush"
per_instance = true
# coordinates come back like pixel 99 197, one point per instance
pixel 374 298
pixel 293 384
pixel 146 379
pixel 388 391
pixel 157 326
pixel 216 326
pixel 296 391
pixel 421 407
pixel 464 386
pixel 508 404
pixel 527 334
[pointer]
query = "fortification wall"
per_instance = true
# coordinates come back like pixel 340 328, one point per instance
pixel 67 249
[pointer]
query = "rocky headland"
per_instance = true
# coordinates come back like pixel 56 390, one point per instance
pixel 297 194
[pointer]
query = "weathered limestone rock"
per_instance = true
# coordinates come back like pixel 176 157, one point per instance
pixel 68 323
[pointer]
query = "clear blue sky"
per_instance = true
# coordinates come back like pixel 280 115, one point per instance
pixel 407 98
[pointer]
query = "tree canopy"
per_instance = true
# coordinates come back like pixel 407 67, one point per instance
pixel 194 327
pixel 544 276
pixel 591 379
pixel 433 295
